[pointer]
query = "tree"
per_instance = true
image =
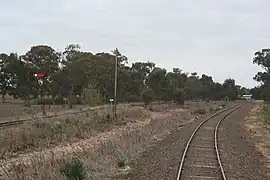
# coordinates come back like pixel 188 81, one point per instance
pixel 257 92
pixel 23 80
pixel 158 83
pixel 230 89
pixel 193 87
pixel 75 72
pixel 207 83
pixel 216 92
pixel 147 96
pixel 42 59
pixel 262 59
pixel 179 96
pixel 6 76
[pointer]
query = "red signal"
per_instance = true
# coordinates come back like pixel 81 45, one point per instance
pixel 40 75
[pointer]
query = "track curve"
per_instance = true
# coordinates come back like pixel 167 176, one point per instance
pixel 201 158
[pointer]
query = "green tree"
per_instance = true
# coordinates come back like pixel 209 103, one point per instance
pixel 42 59
pixel 158 83
pixel 193 87
pixel 179 96
pixel 6 76
pixel 207 82
pixel 262 59
pixel 229 89
pixel 147 96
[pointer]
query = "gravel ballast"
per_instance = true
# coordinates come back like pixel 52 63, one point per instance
pixel 241 160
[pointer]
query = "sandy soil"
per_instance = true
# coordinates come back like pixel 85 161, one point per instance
pixel 260 133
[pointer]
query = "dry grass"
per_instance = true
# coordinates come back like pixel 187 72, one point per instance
pixel 42 134
pixel 102 154
pixel 259 132
pixel 13 110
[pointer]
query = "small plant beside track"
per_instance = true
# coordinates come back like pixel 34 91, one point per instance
pixel 265 112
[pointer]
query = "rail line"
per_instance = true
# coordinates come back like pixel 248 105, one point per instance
pixel 21 121
pixel 201 158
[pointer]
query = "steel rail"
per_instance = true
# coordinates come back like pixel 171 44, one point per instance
pixel 180 169
pixel 216 142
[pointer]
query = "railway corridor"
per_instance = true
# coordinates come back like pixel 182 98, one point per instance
pixel 201 158
pixel 204 150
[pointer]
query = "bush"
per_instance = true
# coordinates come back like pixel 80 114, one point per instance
pixel 74 170
pixel 58 101
pixel 133 98
pixel 147 96
pixel 223 105
pixel 121 163
pixel 200 111
pixel 266 114
pixel 179 96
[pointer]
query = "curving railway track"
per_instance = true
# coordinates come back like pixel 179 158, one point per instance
pixel 201 157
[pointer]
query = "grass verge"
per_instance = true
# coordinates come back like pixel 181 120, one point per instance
pixel 41 134
pixel 265 112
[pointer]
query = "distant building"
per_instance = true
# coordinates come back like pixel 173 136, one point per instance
pixel 247 96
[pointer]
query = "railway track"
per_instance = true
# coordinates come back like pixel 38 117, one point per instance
pixel 201 159
pixel 21 121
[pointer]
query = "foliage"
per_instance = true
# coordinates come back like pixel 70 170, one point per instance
pixel 89 76
pixel 179 96
pixel 265 111
pixel 74 170
pixel 147 96
pixel 200 111
pixel 121 163
pixel 262 59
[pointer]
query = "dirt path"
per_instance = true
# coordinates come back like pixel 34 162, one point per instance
pixel 239 154
pixel 260 133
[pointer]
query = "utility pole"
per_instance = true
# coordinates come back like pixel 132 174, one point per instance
pixel 41 77
pixel 115 83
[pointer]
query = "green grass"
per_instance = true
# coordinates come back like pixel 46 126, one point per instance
pixel 265 112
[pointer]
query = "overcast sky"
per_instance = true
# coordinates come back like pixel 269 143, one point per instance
pixel 216 37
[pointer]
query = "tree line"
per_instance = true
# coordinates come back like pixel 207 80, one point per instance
pixel 75 73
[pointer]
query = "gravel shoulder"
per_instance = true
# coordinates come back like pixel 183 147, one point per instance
pixel 242 161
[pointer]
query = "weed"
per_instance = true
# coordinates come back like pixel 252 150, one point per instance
pixel 223 105
pixel 265 111
pixel 121 163
pixel 74 170
pixel 200 111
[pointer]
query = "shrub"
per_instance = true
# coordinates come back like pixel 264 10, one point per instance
pixel 266 114
pixel 200 111
pixel 121 163
pixel 147 96
pixel 58 101
pixel 74 170
pixel 133 98
pixel 179 96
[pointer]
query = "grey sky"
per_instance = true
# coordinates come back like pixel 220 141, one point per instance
pixel 215 37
